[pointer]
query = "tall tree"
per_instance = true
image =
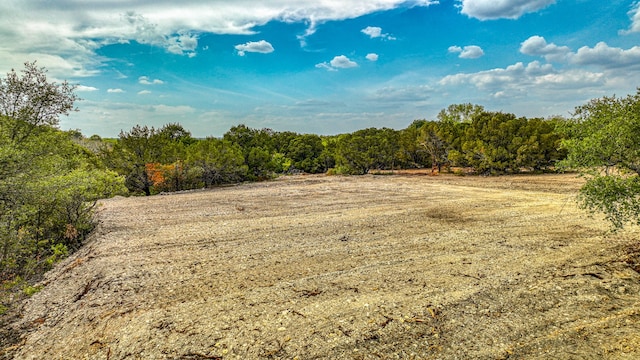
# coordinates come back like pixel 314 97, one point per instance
pixel 603 142
pixel 34 100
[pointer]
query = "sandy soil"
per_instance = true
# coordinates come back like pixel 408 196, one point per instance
pixel 372 267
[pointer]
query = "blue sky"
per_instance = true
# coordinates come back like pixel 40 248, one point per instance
pixel 321 66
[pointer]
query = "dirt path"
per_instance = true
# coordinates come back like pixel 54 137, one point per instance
pixel 315 267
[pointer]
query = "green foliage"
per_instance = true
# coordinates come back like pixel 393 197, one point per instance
pixel 33 100
pixel 617 197
pixel 58 252
pixel 48 189
pixel 48 183
pixel 368 149
pixel 602 142
pixel 29 290
pixel 219 161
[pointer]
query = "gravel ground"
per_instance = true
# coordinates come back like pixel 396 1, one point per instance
pixel 327 267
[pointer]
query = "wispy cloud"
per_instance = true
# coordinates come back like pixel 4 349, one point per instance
pixel 144 31
pixel 83 88
pixel 144 92
pixel 468 52
pixel 503 9
pixel 145 80
pixel 634 14
pixel 262 47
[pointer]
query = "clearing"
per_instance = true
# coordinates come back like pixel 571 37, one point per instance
pixel 329 267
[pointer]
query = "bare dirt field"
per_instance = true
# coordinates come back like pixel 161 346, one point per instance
pixel 328 267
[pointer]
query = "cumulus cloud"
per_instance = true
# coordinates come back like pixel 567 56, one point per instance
pixel 338 62
pixel 468 52
pixel 608 57
pixel 372 57
pixel 115 91
pixel 538 46
pixel 503 9
pixel 518 77
pixel 601 55
pixel 144 92
pixel 262 47
pixel 145 80
pixel 376 32
pixel 342 62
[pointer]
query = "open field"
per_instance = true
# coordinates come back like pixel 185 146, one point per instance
pixel 371 267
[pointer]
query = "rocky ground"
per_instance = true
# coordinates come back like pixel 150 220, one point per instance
pixel 327 267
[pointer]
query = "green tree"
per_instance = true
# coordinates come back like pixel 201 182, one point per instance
pixel 48 183
pixel 366 150
pixel 220 161
pixel 34 100
pixel 257 148
pixel 305 151
pixel 603 143
pixel 130 155
pixel 433 143
pixel 48 189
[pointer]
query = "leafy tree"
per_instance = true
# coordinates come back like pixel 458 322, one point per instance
pixel 48 183
pixel 34 100
pixel 603 143
pixel 131 154
pixel 48 189
pixel 257 148
pixel 220 161
pixel 412 154
pixel 367 149
pixel 304 152
pixel 460 113
pixel 433 143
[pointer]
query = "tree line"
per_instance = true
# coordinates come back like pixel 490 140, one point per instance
pixel 464 136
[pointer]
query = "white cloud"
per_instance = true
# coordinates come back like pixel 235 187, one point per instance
pixel 601 55
pixel 538 46
pixel 518 78
pixel 262 47
pixel 69 34
pixel 83 88
pixel 144 92
pixel 376 32
pixel 145 80
pixel 372 57
pixel 634 14
pixel 468 52
pixel 607 57
pixel 342 62
pixel 180 42
pixel 501 9
pixel 115 91
pixel 338 62
pixel 326 66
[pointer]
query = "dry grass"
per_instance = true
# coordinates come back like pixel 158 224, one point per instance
pixel 311 267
